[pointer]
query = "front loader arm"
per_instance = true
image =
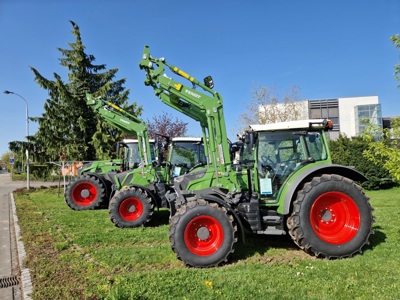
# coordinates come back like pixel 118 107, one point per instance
pixel 121 119
pixel 206 107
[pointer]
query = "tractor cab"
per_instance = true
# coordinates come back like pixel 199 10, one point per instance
pixel 282 149
pixel 132 157
pixel 186 153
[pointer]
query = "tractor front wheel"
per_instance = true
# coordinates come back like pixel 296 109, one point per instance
pixel 131 207
pixel 202 234
pixel 331 218
pixel 85 192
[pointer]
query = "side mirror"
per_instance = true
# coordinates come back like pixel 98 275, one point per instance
pixel 249 140
pixel 234 147
pixel 162 141
pixel 165 146
pixel 208 82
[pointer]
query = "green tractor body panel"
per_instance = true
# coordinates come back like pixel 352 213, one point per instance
pixel 139 176
pixel 101 166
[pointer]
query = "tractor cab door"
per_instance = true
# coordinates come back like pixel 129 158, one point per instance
pixel 281 153
pixel 132 156
pixel 184 156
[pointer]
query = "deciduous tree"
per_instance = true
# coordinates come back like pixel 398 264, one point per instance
pixel 346 151
pixel 396 41
pixel 166 125
pixel 266 106
pixel 387 149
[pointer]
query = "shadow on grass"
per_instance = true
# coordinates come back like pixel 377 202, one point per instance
pixel 265 246
pixel 377 238
pixel 160 217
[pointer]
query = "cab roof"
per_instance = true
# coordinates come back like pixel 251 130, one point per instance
pixel 186 139
pixel 299 124
pixel 135 141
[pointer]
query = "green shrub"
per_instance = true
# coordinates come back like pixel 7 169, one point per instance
pixel 349 152
pixel 40 171
pixel 35 175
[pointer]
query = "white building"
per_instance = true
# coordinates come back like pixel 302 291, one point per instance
pixel 346 113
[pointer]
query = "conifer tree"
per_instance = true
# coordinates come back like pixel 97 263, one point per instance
pixel 69 129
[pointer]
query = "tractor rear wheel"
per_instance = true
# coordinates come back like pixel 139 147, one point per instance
pixel 331 218
pixel 85 192
pixel 203 234
pixel 131 207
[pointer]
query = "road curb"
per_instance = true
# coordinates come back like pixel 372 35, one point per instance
pixel 26 281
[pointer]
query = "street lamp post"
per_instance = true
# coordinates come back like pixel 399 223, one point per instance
pixel 27 134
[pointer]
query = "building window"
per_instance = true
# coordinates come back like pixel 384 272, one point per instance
pixel 325 109
pixel 371 113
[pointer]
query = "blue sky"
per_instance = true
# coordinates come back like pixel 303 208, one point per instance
pixel 329 49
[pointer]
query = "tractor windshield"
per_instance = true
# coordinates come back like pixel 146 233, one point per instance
pixel 280 153
pixel 185 155
pixel 132 154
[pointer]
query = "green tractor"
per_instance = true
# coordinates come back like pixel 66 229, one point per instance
pixel 277 179
pixel 87 191
pixel 139 192
pixel 92 189
pixel 133 194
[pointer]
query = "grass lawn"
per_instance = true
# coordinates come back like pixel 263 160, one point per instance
pixel 82 255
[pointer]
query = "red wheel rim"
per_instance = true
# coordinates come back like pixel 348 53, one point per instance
pixel 131 209
pixel 204 235
pixel 84 193
pixel 335 218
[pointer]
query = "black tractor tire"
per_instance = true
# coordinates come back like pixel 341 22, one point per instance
pixel 331 218
pixel 203 234
pixel 85 192
pixel 131 207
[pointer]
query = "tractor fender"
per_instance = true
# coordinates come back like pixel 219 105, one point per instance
pixel 304 176
pixel 211 198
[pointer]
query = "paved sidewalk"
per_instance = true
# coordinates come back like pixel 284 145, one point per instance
pixel 14 281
